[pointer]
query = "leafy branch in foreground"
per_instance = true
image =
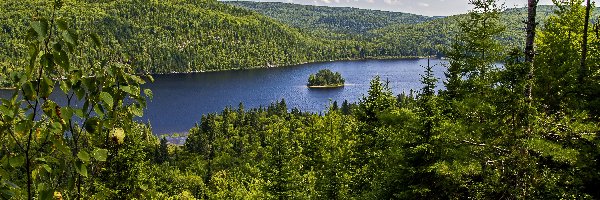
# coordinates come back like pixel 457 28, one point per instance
pixel 60 138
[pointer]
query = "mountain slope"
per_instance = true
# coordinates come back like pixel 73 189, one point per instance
pixel 341 20
pixel 385 33
pixel 171 35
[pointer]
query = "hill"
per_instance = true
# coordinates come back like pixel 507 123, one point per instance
pixel 172 35
pixel 322 19
pixel 385 33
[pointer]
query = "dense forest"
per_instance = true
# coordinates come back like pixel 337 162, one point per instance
pixel 207 35
pixel 330 22
pixel 390 33
pixel 326 78
pixel 173 36
pixel 527 130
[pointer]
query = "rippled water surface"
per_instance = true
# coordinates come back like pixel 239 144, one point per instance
pixel 181 99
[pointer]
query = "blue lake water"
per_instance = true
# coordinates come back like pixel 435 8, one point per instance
pixel 181 99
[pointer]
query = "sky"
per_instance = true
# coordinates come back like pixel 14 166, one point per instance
pixel 421 7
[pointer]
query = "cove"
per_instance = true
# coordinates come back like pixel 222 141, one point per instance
pixel 181 99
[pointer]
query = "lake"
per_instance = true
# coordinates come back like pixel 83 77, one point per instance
pixel 181 99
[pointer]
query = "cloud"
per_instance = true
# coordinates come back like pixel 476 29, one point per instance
pixel 393 2
pixel 423 4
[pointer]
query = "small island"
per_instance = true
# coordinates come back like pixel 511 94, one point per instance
pixel 325 78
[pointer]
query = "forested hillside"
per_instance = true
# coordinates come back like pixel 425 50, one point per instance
pixel 174 35
pixel 330 21
pixel 389 33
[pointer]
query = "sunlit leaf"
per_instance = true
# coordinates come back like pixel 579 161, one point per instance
pixel 118 134
pixel 83 156
pixel 107 98
pixel 100 154
pixel 148 93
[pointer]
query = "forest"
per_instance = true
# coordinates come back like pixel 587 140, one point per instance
pixel 172 36
pixel 526 130
pixel 205 35
pixel 325 78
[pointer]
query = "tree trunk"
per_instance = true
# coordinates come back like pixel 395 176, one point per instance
pixel 529 51
pixel 583 69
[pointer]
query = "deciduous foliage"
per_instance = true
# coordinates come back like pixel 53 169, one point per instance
pixel 326 78
pixel 479 137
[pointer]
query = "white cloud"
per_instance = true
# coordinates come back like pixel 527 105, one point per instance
pixel 424 4
pixel 393 2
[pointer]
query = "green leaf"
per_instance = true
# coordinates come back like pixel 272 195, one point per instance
pixel 78 113
pixel 22 127
pixel 16 161
pixel 70 37
pixel 136 110
pixel 107 98
pixel 34 51
pixel 62 147
pixel 46 87
pixel 47 168
pixel 67 113
pixel 81 169
pixel 62 24
pixel 99 111
pixel 96 40
pixel 28 91
pixel 61 58
pixel 137 79
pixel 83 156
pixel 150 78
pixel 144 187
pixel 126 89
pixel 148 93
pixel 41 28
pixel 100 154
pixel 45 194
pixel 64 87
pixel 92 125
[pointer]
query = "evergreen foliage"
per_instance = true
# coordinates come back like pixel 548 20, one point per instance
pixel 326 78
pixel 481 137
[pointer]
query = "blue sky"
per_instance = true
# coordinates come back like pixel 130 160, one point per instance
pixel 422 7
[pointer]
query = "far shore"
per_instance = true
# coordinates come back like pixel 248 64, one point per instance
pixel 296 64
pixel 326 86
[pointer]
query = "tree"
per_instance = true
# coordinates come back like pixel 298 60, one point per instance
pixel 529 48
pixel 162 151
pixel 584 44
pixel 50 144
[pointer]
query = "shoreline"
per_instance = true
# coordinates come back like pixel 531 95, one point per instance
pixel 291 65
pixel 325 86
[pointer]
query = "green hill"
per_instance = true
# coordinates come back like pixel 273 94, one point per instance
pixel 172 35
pixel 323 20
pixel 385 33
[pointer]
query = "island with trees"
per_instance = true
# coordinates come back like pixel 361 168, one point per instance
pixel 325 78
